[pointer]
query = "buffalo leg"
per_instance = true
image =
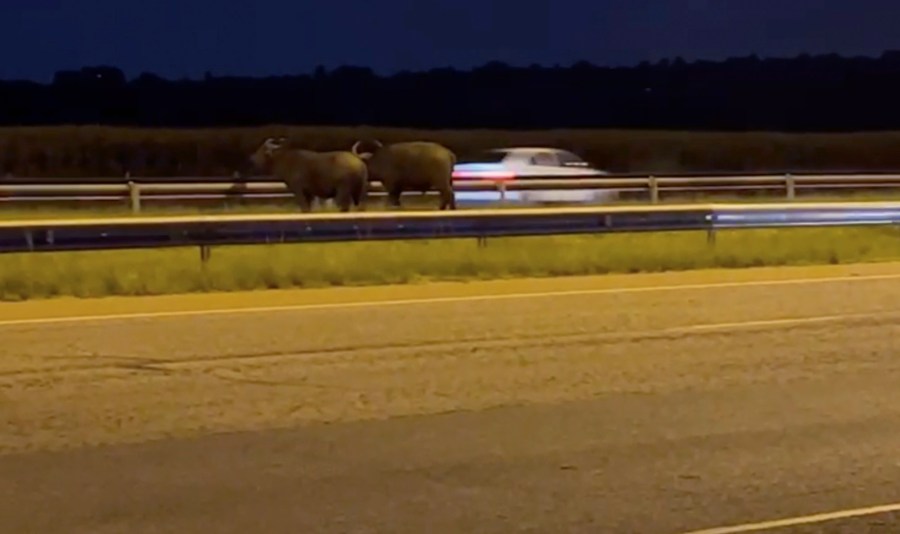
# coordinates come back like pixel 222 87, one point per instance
pixel 302 203
pixel 359 197
pixel 394 197
pixel 304 199
pixel 448 199
pixel 343 198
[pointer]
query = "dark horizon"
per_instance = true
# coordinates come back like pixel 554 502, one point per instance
pixel 827 92
pixel 136 74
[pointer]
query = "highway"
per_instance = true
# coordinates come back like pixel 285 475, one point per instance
pixel 667 403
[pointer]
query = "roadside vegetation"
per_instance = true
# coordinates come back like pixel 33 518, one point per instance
pixel 168 271
pixel 74 153
pixel 95 151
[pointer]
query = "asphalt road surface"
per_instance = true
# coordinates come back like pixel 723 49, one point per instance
pixel 645 404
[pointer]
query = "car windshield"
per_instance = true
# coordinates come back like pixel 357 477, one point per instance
pixel 483 156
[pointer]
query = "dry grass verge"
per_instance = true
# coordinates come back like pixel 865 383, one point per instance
pixel 168 271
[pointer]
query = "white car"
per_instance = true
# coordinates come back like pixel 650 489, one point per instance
pixel 522 163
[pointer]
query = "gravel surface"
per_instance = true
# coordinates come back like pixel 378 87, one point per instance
pixel 647 411
pixel 103 382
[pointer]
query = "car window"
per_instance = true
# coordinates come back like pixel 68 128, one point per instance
pixel 545 158
pixel 484 156
pixel 568 159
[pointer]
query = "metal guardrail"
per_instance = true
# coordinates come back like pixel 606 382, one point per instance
pixel 651 187
pixel 207 231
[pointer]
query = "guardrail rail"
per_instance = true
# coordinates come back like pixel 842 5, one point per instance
pixel 208 231
pixel 651 188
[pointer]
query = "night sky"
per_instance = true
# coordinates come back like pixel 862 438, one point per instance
pixel 176 38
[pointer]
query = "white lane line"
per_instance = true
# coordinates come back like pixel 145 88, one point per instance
pixel 796 321
pixel 444 300
pixel 801 520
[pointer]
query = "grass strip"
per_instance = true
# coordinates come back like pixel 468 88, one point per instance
pixel 179 270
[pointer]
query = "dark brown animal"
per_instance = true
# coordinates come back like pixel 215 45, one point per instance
pixel 412 166
pixel 308 175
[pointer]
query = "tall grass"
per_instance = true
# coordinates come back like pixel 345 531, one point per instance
pixel 94 151
pixel 162 271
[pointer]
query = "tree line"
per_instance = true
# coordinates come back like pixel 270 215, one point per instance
pixel 825 93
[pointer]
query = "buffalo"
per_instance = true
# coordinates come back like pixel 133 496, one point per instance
pixel 338 175
pixel 411 166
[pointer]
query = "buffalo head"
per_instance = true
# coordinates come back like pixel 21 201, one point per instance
pixel 263 155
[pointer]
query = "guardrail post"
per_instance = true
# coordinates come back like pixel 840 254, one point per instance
pixel 205 253
pixel 654 190
pixel 501 186
pixel 711 229
pixel 134 195
pixel 29 240
pixel 790 185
